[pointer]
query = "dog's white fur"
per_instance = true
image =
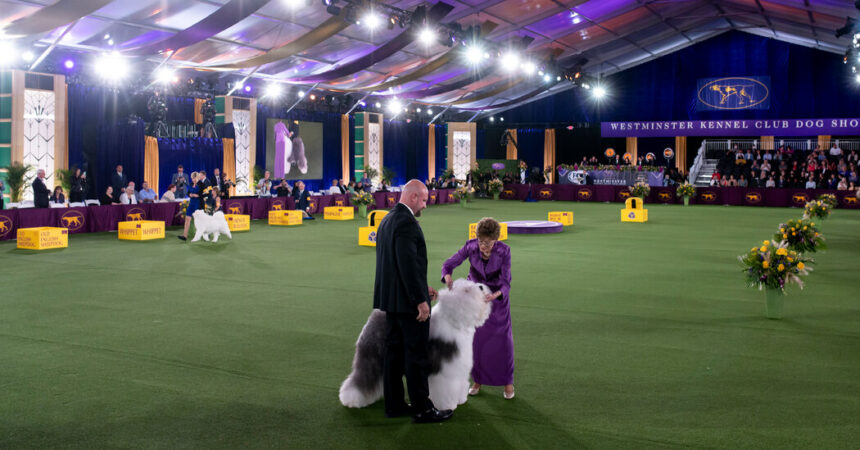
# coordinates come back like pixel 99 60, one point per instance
pixel 207 225
pixel 458 312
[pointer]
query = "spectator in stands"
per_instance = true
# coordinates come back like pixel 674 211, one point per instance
pixel 781 183
pixel 147 195
pixel 810 183
pixel 852 176
pixel 770 182
pixel 79 187
pixel 365 181
pixel 303 200
pixel 216 180
pixel 742 182
pixel 335 188
pixel 732 181
pixel 383 187
pixel 835 150
pixel 852 157
pixel 507 178
pixel 843 184
pixel 57 196
pixel 128 197
pixel 748 155
pixel 169 194
pixel 767 156
pixel 667 181
pixel 283 189
pixel 758 155
pixel 118 181
pixel 264 186
pixel 107 197
pixel 181 181
pixel 832 182
pixel 228 183
pixel 715 179
pixel 132 186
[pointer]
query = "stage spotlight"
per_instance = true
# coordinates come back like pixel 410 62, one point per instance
pixel 474 54
pixel 418 110
pixel 558 78
pixel 273 90
pixel 547 78
pixel 371 21
pixel 110 41
pixel 501 119
pixel 378 105
pixel 540 72
pixel 492 119
pixel 247 88
pixel 301 94
pixel 69 64
pixel 429 112
pixel 510 61
pixel 164 75
pixel 7 52
pixel 27 56
pixel 529 68
pixel 111 66
pixel 313 97
pixel 294 3
pixel 394 106
pixel 426 36
pixel 857 78
pixel 106 37
pixel 599 92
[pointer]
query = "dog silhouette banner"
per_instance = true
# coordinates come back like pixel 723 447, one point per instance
pixel 733 93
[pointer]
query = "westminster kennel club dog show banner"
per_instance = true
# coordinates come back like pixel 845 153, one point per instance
pixel 733 93
pixel 747 127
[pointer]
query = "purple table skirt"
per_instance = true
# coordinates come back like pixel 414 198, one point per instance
pixel 704 196
pixel 93 219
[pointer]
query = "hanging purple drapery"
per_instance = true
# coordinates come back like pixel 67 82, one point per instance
pixel 223 18
pixel 436 13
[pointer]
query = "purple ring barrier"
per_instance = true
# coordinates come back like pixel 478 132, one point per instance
pixel 534 227
pixel 736 196
pixel 94 219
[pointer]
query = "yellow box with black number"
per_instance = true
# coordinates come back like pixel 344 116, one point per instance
pixel 285 218
pixel 43 238
pixel 338 213
pixel 238 222
pixel 563 217
pixel 140 230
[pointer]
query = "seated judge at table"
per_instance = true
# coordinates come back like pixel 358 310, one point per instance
pixel 283 189
pixel 107 197
pixel 169 194
pixel 57 196
pixel 146 195
pixel 303 200
pixel 128 197
pixel 335 188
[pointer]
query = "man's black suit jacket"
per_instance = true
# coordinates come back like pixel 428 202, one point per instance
pixel 217 182
pixel 40 193
pixel 401 263
pixel 303 199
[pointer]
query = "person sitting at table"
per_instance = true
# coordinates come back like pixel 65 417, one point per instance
pixel 128 197
pixel 770 182
pixel 169 194
pixel 742 182
pixel 843 184
pixel 335 188
pixel 146 195
pixel 382 187
pixel 264 186
pixel 810 184
pixel 342 185
pixel 57 196
pixel 350 188
pixel 303 200
pixel 107 197
pixel 283 189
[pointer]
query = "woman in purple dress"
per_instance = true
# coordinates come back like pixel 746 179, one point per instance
pixel 493 346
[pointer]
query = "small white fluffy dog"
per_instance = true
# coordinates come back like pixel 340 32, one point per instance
pixel 458 312
pixel 207 225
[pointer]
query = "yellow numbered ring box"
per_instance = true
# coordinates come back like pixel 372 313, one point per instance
pixel 503 234
pixel 285 218
pixel 141 230
pixel 338 213
pixel 563 217
pixel 43 238
pixel 238 222
pixel 634 212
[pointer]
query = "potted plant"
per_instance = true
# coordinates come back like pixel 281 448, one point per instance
pixel 686 190
pixel 640 189
pixel 64 176
pixel 816 209
pixel 16 178
pixel 800 235
pixel 771 267
pixel 361 199
pixel 495 187
pixel 388 175
pixel 463 193
pixel 370 173
pixel 257 176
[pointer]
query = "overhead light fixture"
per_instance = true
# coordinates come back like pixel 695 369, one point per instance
pixel 501 119
pixel 7 52
pixel 394 106
pixel 27 56
pixel 313 97
pixel 426 36
pixel 418 110
pixel 429 112
pixel 378 105
pixel 529 68
pixel 164 75
pixel 474 54
pixel 547 78
pixel 371 21
pixel 273 90
pixel 247 88
pixel 301 94
pixel 857 78
pixel 69 64
pixel 294 3
pixel 492 119
pixel 111 66
pixel 599 92
pixel 510 61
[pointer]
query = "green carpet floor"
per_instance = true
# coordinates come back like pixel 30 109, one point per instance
pixel 627 336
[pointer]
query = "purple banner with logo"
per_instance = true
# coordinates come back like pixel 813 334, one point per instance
pixel 753 127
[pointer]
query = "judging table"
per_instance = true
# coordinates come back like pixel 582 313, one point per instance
pixel 93 219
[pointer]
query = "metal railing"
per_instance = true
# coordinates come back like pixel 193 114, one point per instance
pixel 697 164
pixel 715 149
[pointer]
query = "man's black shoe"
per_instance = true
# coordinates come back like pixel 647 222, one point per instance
pixel 181 238
pixel 433 415
pixel 405 410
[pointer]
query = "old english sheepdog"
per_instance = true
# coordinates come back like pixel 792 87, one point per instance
pixel 458 312
pixel 207 225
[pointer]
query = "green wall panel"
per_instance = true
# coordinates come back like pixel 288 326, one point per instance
pixel 5 107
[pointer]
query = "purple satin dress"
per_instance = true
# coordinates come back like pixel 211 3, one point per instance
pixel 493 346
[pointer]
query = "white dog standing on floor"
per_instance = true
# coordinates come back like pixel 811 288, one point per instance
pixel 458 312
pixel 207 225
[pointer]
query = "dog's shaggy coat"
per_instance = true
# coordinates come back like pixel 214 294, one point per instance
pixel 207 225
pixel 458 312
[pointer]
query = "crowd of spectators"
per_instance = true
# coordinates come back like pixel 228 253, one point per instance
pixel 788 168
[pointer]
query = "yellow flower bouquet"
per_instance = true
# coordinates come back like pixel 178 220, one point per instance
pixel 816 209
pixel 801 235
pixel 773 266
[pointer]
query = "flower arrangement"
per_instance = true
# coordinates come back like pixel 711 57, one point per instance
pixel 817 209
pixel 800 235
pixel 183 207
pixel 773 266
pixel 495 186
pixel 829 199
pixel 362 198
pixel 464 192
pixel 640 189
pixel 686 190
